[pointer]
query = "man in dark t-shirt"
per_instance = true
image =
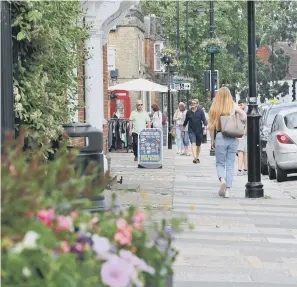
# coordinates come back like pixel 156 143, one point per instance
pixel 195 117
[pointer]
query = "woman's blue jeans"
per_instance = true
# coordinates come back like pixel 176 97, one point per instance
pixel 226 148
pixel 179 139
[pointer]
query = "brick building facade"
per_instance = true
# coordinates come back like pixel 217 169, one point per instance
pixel 134 55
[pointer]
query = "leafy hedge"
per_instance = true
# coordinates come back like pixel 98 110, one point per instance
pixel 48 36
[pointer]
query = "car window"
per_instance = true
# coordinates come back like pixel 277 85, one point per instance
pixel 273 112
pixel 263 117
pixel 275 125
pixel 291 121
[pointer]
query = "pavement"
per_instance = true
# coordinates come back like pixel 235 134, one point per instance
pixel 236 241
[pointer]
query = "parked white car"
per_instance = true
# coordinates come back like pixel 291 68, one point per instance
pixel 281 145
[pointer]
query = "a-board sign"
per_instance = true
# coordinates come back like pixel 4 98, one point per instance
pixel 150 148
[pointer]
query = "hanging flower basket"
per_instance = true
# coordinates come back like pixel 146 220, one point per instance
pixel 213 45
pixel 168 57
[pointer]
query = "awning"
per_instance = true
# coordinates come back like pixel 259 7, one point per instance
pixel 140 85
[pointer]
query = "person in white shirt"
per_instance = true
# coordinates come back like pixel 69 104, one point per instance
pixel 139 120
pixel 157 117
pixel 182 138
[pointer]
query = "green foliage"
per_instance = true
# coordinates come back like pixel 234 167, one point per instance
pixel 276 21
pixel 49 36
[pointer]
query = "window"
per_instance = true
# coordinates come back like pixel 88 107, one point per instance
pixel 148 101
pixel 291 121
pixel 275 125
pixel 111 59
pixel 274 111
pixel 157 61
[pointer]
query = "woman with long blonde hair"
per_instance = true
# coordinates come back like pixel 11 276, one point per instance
pixel 225 146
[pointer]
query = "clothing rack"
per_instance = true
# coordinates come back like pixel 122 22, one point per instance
pixel 119 139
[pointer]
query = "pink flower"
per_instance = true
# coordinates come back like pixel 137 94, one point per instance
pixel 63 223
pixel 116 272
pixel 74 214
pixel 79 247
pixel 138 218
pixel 124 234
pixel 46 216
pixel 121 224
pixel 122 238
pixel 93 221
pixel 65 247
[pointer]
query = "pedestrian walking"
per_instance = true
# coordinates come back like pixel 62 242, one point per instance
pixel 157 117
pixel 195 118
pixel 242 145
pixel 139 120
pixel 225 146
pixel 182 136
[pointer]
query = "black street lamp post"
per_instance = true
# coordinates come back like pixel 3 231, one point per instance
pixel 212 59
pixel 177 42
pixel 7 102
pixel 168 60
pixel 187 49
pixel 254 187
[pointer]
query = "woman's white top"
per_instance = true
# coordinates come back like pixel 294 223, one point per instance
pixel 157 120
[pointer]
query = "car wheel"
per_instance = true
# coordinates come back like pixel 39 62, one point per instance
pixel 271 172
pixel 264 170
pixel 281 175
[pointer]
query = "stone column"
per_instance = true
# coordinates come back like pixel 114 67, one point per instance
pixel 94 68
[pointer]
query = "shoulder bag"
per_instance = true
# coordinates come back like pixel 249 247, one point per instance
pixel 232 126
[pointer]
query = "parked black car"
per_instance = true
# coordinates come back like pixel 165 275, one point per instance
pixel 266 123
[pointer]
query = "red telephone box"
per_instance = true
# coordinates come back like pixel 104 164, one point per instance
pixel 121 105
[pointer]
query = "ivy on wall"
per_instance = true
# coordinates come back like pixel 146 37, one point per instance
pixel 47 38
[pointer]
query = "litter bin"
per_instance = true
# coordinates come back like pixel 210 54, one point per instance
pixel 91 152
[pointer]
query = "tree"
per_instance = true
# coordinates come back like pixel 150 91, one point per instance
pixel 47 38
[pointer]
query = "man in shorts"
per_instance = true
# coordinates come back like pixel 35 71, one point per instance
pixel 139 120
pixel 242 146
pixel 195 117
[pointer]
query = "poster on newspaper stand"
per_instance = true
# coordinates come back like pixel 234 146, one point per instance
pixel 150 148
